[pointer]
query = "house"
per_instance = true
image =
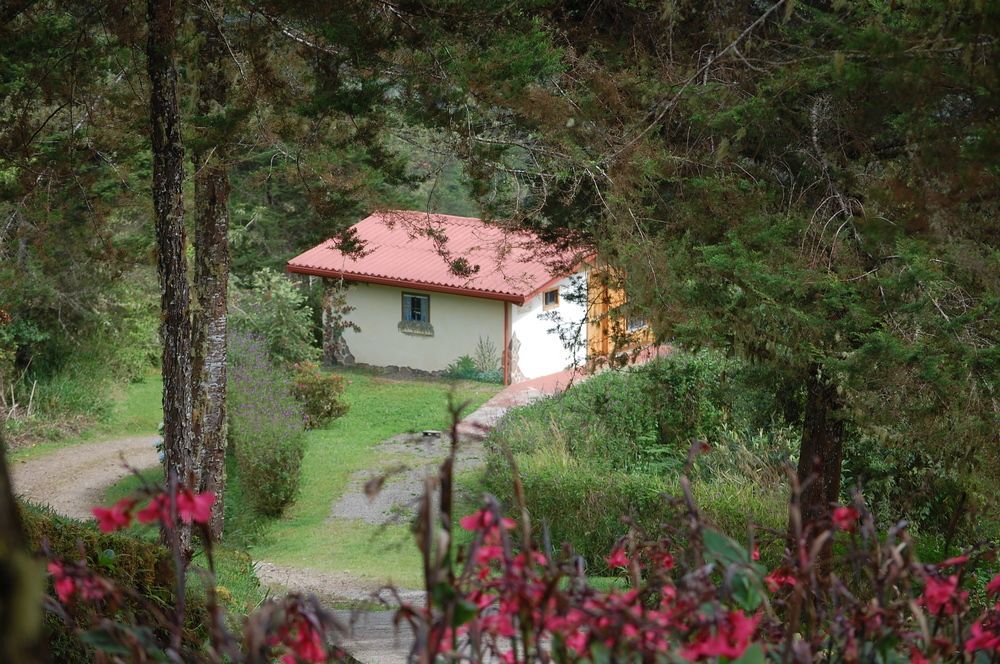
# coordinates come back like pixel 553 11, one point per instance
pixel 425 289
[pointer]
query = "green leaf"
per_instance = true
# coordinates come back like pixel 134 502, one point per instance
pixel 464 612
pixel 724 549
pixel 745 592
pixel 442 594
pixel 104 641
pixel 107 558
pixel 754 654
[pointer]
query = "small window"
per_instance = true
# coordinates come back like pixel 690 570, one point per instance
pixel 416 308
pixel 635 324
pixel 550 299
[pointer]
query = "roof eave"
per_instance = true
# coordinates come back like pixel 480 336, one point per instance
pixel 405 283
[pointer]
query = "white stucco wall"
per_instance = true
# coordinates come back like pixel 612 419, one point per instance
pixel 458 321
pixel 540 351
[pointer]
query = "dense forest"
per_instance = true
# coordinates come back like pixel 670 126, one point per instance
pixel 800 196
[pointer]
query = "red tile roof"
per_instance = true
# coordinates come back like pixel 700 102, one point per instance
pixel 417 249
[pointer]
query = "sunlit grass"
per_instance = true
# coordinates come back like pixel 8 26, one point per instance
pixel 380 408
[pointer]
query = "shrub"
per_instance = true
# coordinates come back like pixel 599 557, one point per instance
pixel 467 368
pixel 580 503
pixel 487 357
pixel 320 394
pixel 266 426
pixel 142 566
pixel 464 368
pixel 271 307
pixel 640 419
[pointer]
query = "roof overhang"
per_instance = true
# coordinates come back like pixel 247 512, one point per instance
pixel 416 285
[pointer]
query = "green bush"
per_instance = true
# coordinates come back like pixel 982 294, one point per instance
pixel 579 503
pixel 608 448
pixel 142 566
pixel 270 306
pixel 320 394
pixel 266 426
pixel 464 368
pixel 467 368
pixel 640 419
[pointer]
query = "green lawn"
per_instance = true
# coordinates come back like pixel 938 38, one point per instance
pixel 380 408
pixel 305 536
pixel 137 411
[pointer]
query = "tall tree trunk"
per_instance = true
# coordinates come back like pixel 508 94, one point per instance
pixel 21 580
pixel 211 272
pixel 822 449
pixel 168 203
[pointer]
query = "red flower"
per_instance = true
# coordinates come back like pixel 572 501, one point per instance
pixel 64 585
pixel 952 562
pixel 158 509
pixel 116 518
pixel 305 643
pixel 730 639
pixel 483 520
pixel 845 518
pixel 618 558
pixel 93 589
pixel 755 554
pixel 487 553
pixel 195 507
pixel 664 560
pixel 917 657
pixel 777 578
pixel 577 641
pixel 993 587
pixel 943 595
pixel 984 638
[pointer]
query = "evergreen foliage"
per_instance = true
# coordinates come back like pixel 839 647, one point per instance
pixel 809 186
pixel 273 308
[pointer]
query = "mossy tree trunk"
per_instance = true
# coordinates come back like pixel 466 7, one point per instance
pixel 822 450
pixel 20 580
pixel 211 273
pixel 168 204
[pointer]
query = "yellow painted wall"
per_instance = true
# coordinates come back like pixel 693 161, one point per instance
pixel 458 321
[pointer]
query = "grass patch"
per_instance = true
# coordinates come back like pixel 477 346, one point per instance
pixel 305 536
pixel 379 408
pixel 136 410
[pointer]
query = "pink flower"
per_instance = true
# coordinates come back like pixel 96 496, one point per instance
pixel 116 518
pixel 664 560
pixel 195 507
pixel 158 509
pixel 618 558
pixel 984 638
pixel 845 518
pixel 777 578
pixel 65 586
pixel 487 553
pixel 952 562
pixel 93 589
pixel 305 643
pixel 993 587
pixel 917 657
pixel 755 554
pixel 731 637
pixel 942 595
pixel 577 641
pixel 483 520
